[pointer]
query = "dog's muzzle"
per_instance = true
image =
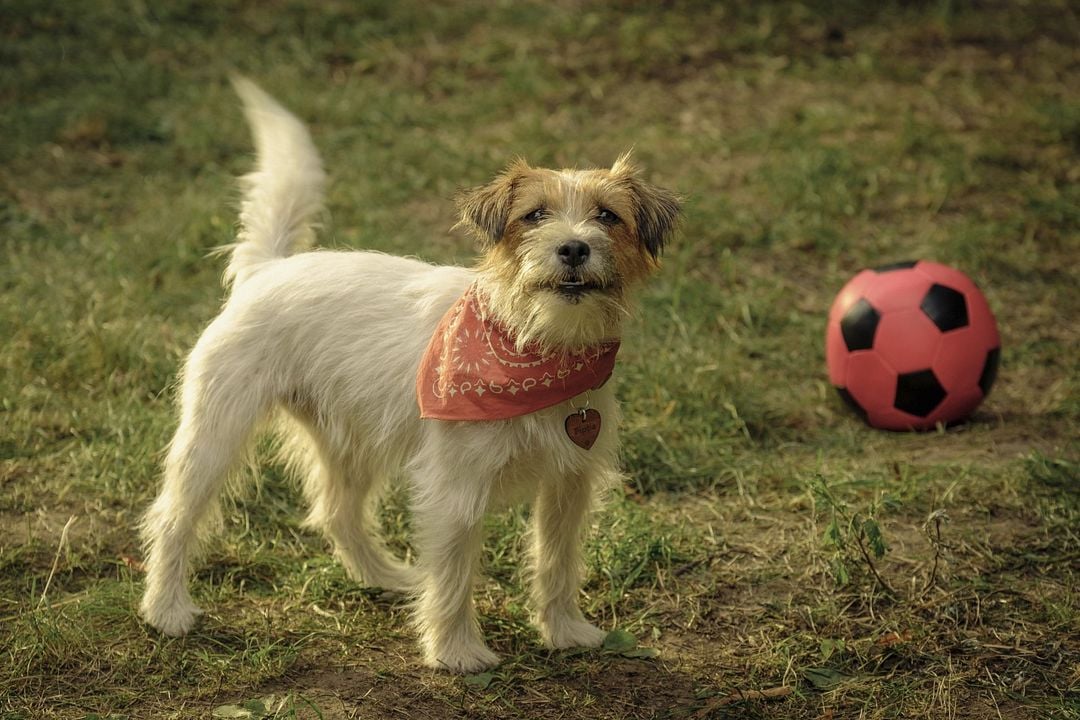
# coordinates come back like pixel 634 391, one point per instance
pixel 574 253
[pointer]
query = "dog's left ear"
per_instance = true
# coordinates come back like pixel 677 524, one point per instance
pixel 656 211
pixel 485 210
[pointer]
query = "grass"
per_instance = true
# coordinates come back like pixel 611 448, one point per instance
pixel 810 140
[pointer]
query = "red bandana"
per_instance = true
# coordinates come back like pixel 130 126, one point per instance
pixel 472 371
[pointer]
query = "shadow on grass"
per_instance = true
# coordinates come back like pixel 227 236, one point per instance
pixel 543 684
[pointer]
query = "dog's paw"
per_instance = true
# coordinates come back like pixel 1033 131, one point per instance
pixel 462 660
pixel 572 633
pixel 174 619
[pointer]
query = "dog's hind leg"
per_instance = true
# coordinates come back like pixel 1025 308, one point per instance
pixel 221 404
pixel 342 490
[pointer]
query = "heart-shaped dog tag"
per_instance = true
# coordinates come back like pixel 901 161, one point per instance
pixel 583 427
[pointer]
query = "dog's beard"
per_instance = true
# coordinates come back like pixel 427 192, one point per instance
pixel 562 313
pixel 574 286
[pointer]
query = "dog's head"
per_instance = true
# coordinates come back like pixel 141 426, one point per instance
pixel 564 247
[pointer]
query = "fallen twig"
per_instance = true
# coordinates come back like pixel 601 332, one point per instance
pixel 743 695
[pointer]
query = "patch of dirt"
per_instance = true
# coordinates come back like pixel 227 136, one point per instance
pixel 395 685
pixel 44 525
pixel 383 683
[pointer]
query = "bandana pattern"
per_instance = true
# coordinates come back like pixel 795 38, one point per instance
pixel 472 369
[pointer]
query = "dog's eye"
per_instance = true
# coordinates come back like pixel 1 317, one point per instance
pixel 535 216
pixel 607 217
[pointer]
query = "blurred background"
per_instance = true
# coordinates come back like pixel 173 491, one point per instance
pixel 810 140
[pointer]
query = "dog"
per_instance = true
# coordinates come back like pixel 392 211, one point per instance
pixel 363 361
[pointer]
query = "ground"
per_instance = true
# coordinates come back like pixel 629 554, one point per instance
pixel 769 556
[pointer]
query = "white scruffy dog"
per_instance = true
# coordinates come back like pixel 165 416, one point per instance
pixel 330 344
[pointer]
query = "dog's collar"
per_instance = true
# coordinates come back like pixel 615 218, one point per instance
pixel 472 369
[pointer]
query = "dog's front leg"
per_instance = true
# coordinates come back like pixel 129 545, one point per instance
pixel 562 507
pixel 448 517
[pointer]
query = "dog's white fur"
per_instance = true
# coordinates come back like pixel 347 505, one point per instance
pixel 328 343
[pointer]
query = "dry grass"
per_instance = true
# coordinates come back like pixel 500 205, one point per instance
pixel 811 140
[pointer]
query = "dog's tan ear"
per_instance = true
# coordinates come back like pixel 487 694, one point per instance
pixel 485 210
pixel 656 211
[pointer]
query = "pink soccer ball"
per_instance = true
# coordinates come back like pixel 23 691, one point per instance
pixel 912 345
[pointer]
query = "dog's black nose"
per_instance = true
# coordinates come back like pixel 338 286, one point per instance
pixel 574 253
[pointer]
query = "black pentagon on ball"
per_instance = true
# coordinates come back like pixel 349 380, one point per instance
pixel 859 325
pixel 946 307
pixel 989 371
pixel 852 403
pixel 918 393
pixel 905 265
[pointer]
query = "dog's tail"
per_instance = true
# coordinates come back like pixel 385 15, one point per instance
pixel 283 194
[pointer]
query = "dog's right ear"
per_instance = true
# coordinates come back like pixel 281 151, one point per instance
pixel 485 210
